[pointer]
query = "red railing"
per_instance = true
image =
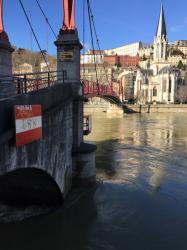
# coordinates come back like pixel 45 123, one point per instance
pixel 94 89
pixel 29 82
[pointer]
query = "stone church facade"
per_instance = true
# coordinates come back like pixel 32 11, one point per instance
pixel 159 81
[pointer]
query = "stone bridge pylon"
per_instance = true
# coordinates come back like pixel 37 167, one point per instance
pixel 60 153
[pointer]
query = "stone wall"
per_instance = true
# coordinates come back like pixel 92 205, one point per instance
pixel 90 109
pixel 53 153
pixel 103 108
pixel 156 108
pixel 5 58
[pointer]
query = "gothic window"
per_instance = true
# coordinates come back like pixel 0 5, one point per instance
pixel 157 52
pixel 162 52
pixel 179 81
pixel 169 85
pixel 154 91
pixel 164 85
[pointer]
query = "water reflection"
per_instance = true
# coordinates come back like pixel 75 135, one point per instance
pixel 142 161
pixel 140 149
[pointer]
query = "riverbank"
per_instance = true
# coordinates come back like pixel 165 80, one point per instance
pixel 110 109
pixel 137 108
pixel 156 108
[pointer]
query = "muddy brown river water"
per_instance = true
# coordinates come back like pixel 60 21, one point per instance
pixel 138 203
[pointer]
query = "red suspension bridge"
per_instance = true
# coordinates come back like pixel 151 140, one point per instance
pixel 93 89
pixel 26 83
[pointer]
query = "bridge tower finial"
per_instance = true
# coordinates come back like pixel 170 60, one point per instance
pixel 68 45
pixel 69 16
pixel 3 34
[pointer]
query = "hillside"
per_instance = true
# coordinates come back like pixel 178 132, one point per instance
pixel 22 56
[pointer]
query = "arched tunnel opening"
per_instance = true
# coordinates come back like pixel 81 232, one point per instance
pixel 29 186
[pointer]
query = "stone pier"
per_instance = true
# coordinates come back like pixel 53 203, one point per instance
pixel 68 59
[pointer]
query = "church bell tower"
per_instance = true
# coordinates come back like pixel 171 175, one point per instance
pixel 160 41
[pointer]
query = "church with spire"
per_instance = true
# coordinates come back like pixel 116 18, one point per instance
pixel 158 80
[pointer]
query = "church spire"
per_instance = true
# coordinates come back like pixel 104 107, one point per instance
pixel 161 42
pixel 161 28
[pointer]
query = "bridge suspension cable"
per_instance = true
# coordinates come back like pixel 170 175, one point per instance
pixel 83 32
pixel 97 40
pixel 36 39
pixel 92 40
pixel 46 19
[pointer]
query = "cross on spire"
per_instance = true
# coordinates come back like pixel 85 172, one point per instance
pixel 3 34
pixel 69 16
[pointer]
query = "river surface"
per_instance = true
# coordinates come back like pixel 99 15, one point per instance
pixel 139 201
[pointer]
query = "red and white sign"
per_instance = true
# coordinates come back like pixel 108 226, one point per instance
pixel 28 124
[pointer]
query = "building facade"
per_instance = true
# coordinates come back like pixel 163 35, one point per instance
pixel 127 78
pixel 91 58
pixel 126 50
pixel 121 61
pixel 24 68
pixel 100 73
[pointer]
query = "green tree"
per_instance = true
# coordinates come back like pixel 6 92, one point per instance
pixel 180 65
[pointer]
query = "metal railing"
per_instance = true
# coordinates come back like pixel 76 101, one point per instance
pixel 92 88
pixel 29 82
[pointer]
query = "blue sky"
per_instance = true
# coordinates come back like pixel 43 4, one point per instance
pixel 118 22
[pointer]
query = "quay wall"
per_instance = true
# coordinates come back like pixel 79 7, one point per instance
pixel 156 108
pixel 103 108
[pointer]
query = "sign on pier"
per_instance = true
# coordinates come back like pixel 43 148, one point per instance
pixel 28 124
pixel 66 56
